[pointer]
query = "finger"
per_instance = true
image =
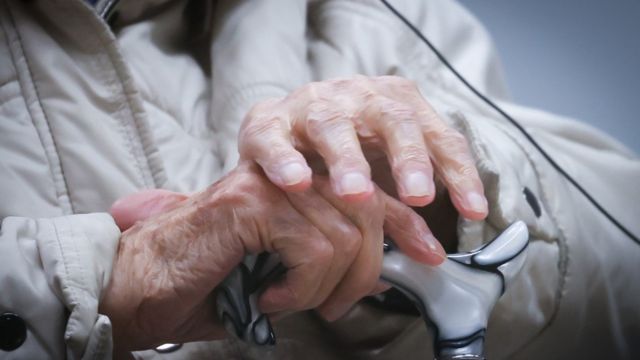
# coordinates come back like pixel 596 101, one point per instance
pixel 330 131
pixel 265 138
pixel 307 255
pixel 142 205
pixel 407 153
pixel 381 287
pixel 449 150
pixel 456 168
pixel 362 277
pixel 343 235
pixel 411 234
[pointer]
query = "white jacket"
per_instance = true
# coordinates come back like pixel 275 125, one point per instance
pixel 88 115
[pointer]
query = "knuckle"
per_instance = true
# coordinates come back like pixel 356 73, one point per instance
pixel 244 180
pixel 466 170
pixel 255 127
pixel 262 106
pixel 314 90
pixel 259 110
pixel 321 252
pixel 395 111
pixel 352 158
pixel 432 120
pixel 361 78
pixel 452 140
pixel 321 116
pixel 243 177
pixel 397 80
pixel 350 240
pixel 342 83
pixel 362 82
pixel 459 170
pixel 413 154
pixel 245 186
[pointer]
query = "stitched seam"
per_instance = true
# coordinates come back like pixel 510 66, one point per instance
pixel 118 89
pixel 53 137
pixel 369 11
pixel 78 294
pixel 144 138
pixel 142 148
pixel 73 303
pixel 60 193
pixel 163 109
pixel 119 118
pixel 83 292
pixel 100 346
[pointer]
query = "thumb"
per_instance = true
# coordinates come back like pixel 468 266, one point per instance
pixel 142 205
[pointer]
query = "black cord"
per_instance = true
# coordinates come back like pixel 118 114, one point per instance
pixel 524 132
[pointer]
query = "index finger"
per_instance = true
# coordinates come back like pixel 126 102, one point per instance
pixel 265 138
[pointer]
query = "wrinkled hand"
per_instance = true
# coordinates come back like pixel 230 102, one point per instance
pixel 178 248
pixel 350 121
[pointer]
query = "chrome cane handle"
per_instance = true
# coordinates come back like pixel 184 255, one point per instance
pixel 455 298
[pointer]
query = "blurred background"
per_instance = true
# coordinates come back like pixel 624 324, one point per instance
pixel 579 58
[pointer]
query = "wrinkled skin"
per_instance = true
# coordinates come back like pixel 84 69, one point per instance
pixel 328 231
pixel 352 124
pixel 177 248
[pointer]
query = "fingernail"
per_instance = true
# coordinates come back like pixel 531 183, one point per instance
pixel 431 241
pixel 292 173
pixel 477 202
pixel 417 183
pixel 438 255
pixel 353 183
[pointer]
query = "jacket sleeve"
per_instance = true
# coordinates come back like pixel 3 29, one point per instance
pixel 52 273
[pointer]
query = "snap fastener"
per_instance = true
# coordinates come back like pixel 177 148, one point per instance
pixel 13 331
pixel 533 201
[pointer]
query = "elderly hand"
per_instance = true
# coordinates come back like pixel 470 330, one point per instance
pixel 179 248
pixel 345 120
